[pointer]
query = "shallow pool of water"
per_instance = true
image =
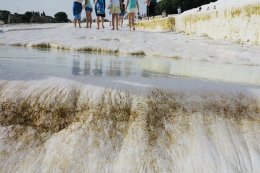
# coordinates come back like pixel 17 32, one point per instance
pixel 124 70
pixel 23 63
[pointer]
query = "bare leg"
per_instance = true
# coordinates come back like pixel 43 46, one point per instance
pixel 102 20
pixel 86 19
pixel 122 21
pixel 79 23
pixel 75 23
pixel 116 16
pixel 97 22
pixel 119 23
pixel 113 21
pixel 133 20
pixel 90 20
pixel 129 17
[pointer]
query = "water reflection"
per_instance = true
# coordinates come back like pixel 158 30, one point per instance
pixel 114 68
pixel 111 66
pixel 76 67
pixel 98 71
pixel 31 62
pixel 101 67
pixel 87 69
pixel 127 68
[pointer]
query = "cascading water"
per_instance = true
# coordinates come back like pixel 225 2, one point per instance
pixel 66 127
pixel 66 112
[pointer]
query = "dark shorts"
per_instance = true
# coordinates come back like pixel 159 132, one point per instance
pixel 77 8
pixel 122 13
pixel 88 9
pixel 101 15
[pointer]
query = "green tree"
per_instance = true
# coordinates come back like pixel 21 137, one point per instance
pixel 27 17
pixel 61 17
pixel 4 16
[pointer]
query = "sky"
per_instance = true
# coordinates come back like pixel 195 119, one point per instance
pixel 50 7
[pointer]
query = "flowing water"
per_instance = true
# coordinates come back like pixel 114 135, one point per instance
pixel 63 111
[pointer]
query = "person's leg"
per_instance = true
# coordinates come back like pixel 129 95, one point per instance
pixel 90 19
pixel 133 20
pixel 113 21
pixel 129 18
pixel 97 22
pixel 116 15
pixel 79 23
pixel 122 21
pixel 75 23
pixel 102 19
pixel 87 19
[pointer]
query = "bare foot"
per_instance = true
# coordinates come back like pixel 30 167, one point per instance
pixel 97 28
pixel 112 29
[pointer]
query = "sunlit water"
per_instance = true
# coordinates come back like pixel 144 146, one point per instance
pixel 63 111
pixel 20 63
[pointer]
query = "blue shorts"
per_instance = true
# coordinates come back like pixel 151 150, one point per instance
pixel 88 9
pixel 103 14
pixel 77 17
pixel 122 13
pixel 77 9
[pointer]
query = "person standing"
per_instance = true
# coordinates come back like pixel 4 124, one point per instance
pixel 115 10
pixel 100 6
pixel 122 14
pixel 88 9
pixel 132 8
pixel 77 9
pixel 148 2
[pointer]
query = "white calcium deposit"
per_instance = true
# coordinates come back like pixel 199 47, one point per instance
pixel 65 36
pixel 60 125
pixel 234 20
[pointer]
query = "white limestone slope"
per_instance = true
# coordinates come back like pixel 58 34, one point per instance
pixel 165 132
pixel 172 45
pixel 233 20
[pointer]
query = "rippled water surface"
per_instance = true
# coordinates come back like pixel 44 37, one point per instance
pixel 64 111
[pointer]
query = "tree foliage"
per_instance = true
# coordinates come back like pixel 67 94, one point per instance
pixel 4 16
pixel 171 6
pixel 27 17
pixel 61 17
